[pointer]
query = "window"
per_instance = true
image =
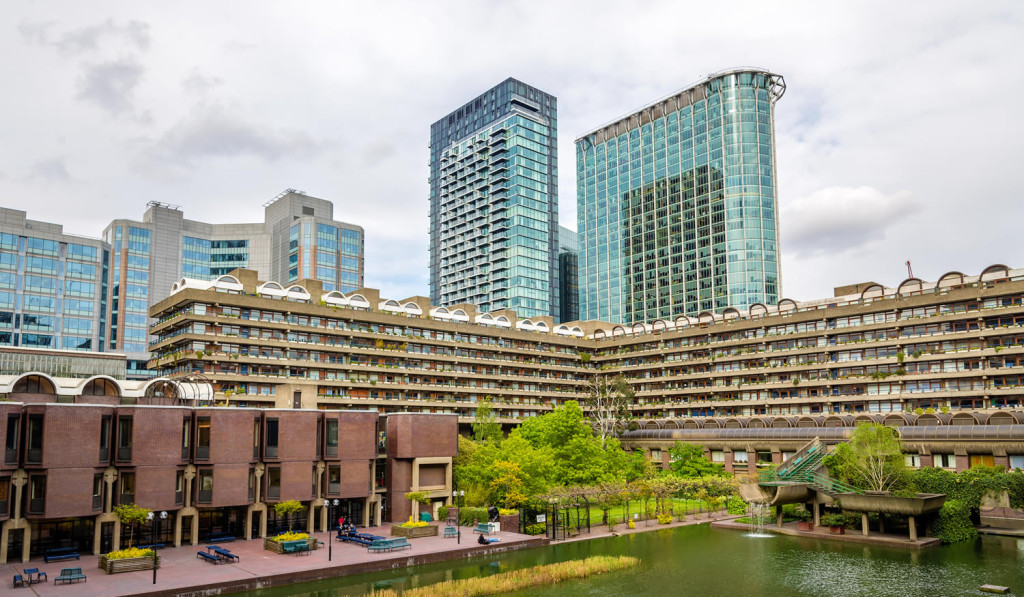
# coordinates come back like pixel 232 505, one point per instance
pixel 912 460
pixel 37 494
pixel 255 439
pixel 5 492
pixel 718 456
pixel 35 440
pixel 1016 461
pixel 945 460
pixel 105 439
pixel 203 438
pixel 271 439
pixel 739 458
pixel 13 439
pixel 179 488
pixel 127 488
pixel 332 438
pixel 274 483
pixel 334 480
pixel 205 487
pixel 186 437
pixel 982 460
pixel 252 484
pixel 97 492
pixel 124 439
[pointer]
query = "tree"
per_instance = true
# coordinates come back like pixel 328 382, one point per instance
pixel 486 427
pixel 507 487
pixel 608 400
pixel 688 461
pixel 287 508
pixel 872 459
pixel 130 515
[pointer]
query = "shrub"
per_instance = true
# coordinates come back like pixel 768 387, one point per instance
pixel 631 524
pixel 664 518
pixel 131 552
pixel 536 529
pixel 290 536
pixel 833 520
pixel 736 505
pixel 953 524
pixel 507 512
pixel 442 512
pixel 467 515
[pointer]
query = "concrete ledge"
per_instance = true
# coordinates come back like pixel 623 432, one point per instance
pixel 822 533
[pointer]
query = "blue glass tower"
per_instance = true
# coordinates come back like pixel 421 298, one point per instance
pixel 494 203
pixel 677 205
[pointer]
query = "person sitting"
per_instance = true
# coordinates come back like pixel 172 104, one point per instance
pixel 483 540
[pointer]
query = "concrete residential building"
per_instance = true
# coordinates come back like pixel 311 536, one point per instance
pixel 494 203
pixel 568 275
pixel 298 238
pixel 956 343
pixel 677 208
pixel 53 290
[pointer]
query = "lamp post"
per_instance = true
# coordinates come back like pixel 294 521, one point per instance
pixel 331 509
pixel 153 520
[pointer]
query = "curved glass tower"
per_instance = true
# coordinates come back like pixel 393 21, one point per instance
pixel 677 205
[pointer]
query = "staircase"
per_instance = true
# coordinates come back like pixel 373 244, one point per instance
pixel 802 468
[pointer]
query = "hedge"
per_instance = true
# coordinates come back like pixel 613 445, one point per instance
pixel 953 524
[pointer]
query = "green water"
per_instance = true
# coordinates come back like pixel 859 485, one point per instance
pixel 698 560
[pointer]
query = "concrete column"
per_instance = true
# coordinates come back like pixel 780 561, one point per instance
pixel 195 529
pixel 26 543
pixel 177 530
pixel 881 523
pixel 817 511
pixel 864 523
pixel 912 525
pixel 778 516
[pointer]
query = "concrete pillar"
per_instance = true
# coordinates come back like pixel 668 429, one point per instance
pixel 195 529
pixel 778 516
pixel 177 530
pixel 26 543
pixel 864 523
pixel 881 523
pixel 912 525
pixel 816 509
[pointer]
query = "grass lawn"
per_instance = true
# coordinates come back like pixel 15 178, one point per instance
pixel 619 514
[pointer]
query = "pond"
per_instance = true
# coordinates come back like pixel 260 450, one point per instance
pixel 699 560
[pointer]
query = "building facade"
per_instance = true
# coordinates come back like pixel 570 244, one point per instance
pixel 203 471
pixel 956 343
pixel 494 203
pixel 298 238
pixel 677 204
pixel 568 275
pixel 53 286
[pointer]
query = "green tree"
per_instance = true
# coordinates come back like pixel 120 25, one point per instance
pixel 130 515
pixel 507 487
pixel 287 508
pixel 485 426
pixel 557 427
pixel 688 461
pixel 872 459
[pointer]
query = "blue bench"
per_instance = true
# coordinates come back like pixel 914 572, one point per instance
pixel 379 545
pixel 206 557
pixel 20 581
pixel 296 547
pixel 484 528
pixel 450 532
pixel 223 553
pixel 152 546
pixel 70 575
pixel 221 538
pixel 57 554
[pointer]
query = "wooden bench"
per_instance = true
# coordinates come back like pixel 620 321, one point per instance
pixel 60 553
pixel 484 528
pixel 207 557
pixel 297 547
pixel 70 575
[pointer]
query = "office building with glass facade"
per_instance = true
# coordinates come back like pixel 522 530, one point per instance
pixel 568 278
pixel 494 203
pixel 298 238
pixel 677 208
pixel 52 286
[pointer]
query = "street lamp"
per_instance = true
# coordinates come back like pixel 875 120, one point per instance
pixel 331 508
pixel 155 530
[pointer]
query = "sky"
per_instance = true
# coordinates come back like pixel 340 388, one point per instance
pixel 897 137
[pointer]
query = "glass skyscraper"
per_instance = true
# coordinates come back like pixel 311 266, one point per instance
pixel 494 203
pixel 568 275
pixel 677 203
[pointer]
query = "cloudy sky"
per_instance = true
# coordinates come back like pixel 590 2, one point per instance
pixel 897 139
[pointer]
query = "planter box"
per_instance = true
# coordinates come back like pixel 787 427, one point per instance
pixel 509 522
pixel 274 546
pixel 413 532
pixel 128 564
pixel 804 526
pixel 836 531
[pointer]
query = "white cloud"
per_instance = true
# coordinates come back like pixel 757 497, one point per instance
pixel 835 220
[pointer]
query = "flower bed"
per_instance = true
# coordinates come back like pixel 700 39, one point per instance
pixel 411 532
pixel 274 543
pixel 129 560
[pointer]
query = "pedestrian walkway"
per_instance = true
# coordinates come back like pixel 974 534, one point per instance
pixel 181 570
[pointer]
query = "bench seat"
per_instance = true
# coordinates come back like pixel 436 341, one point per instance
pixel 69 575
pixel 202 555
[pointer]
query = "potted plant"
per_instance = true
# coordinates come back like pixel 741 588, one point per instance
pixel 835 523
pixel 804 519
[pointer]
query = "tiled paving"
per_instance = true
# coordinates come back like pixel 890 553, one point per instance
pixel 181 570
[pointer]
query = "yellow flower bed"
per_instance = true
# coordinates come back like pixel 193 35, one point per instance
pixel 291 537
pixel 131 552
pixel 413 524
